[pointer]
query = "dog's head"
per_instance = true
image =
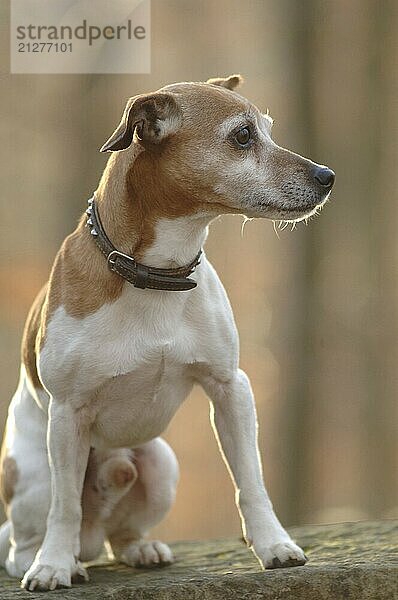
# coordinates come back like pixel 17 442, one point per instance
pixel 217 146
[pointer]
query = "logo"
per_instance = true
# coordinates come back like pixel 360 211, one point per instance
pixel 80 36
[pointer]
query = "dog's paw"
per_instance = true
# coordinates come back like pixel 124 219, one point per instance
pixel 281 555
pixel 43 577
pixel 148 554
pixel 115 478
pixel 117 473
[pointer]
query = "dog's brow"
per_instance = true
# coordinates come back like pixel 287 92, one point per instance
pixel 235 121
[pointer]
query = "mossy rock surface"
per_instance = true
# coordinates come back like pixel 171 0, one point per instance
pixel 349 561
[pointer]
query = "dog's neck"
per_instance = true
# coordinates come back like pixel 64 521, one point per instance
pixel 147 216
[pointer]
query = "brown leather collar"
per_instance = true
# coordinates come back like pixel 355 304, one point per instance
pixel 139 275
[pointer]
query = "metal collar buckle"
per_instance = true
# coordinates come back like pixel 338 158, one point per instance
pixel 111 259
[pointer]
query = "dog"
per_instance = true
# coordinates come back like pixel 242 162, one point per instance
pixel 133 315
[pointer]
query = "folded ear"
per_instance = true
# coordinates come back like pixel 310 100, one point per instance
pixel 152 116
pixel 230 82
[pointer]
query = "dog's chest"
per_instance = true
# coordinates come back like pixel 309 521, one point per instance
pixel 148 377
pixel 134 361
pixel 137 406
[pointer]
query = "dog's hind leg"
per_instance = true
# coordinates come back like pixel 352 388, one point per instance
pixel 110 475
pixel 25 481
pixel 5 531
pixel 145 505
pixel 16 559
pixel 28 513
pixel 21 556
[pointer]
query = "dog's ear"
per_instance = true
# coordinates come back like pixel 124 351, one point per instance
pixel 231 82
pixel 153 117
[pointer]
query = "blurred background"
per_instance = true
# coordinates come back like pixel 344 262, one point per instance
pixel 318 314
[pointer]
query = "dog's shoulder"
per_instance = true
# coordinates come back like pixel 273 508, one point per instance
pixel 30 337
pixel 79 282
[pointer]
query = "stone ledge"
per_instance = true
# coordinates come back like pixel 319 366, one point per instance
pixel 349 561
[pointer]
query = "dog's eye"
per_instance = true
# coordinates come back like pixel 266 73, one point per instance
pixel 243 137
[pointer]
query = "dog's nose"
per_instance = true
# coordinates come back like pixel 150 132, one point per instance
pixel 324 176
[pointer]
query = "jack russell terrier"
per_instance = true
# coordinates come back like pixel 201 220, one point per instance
pixel 133 315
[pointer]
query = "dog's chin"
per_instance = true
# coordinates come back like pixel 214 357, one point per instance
pixel 291 213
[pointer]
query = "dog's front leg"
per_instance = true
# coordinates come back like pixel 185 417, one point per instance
pixel 233 416
pixel 68 447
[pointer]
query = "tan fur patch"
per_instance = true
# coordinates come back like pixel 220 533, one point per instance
pixel 123 472
pixel 80 279
pixel 8 475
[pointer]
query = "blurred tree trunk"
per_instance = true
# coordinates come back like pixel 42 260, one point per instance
pixel 297 23
pixel 352 329
pixel 379 434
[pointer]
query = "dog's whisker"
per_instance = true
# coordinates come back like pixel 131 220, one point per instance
pixel 274 226
pixel 245 220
